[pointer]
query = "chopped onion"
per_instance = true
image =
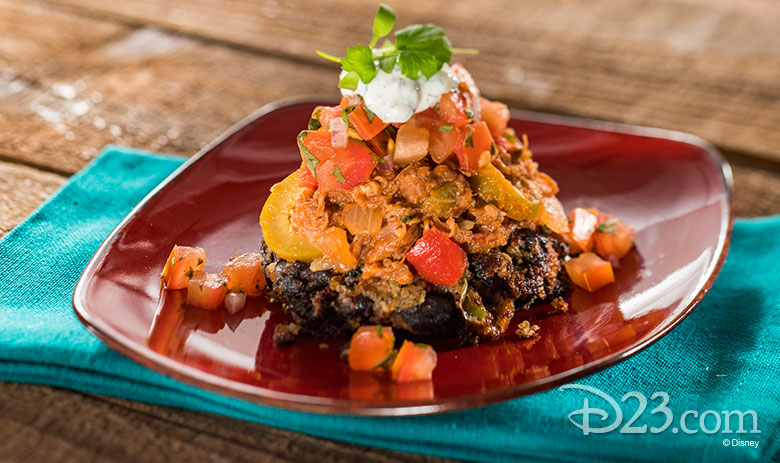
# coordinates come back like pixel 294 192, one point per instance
pixel 234 301
pixel 338 130
pixel 411 144
pixel 362 220
pixel 476 108
pixel 387 165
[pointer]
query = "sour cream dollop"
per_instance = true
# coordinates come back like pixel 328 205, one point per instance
pixel 396 98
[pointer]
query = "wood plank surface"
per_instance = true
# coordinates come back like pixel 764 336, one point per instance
pixel 709 69
pixel 170 76
pixel 140 87
pixel 42 424
pixel 22 189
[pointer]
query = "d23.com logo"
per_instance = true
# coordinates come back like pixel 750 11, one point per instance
pixel 605 414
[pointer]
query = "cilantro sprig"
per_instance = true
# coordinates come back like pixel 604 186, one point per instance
pixel 418 49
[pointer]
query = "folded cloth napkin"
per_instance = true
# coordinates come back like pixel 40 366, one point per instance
pixel 723 358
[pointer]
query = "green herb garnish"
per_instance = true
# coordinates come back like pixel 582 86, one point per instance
pixel 310 159
pixel 386 362
pixel 607 227
pixel 200 261
pixel 380 159
pixel 418 49
pixel 369 115
pixel 379 331
pixel 337 173
pixel 445 128
pixel 189 273
pixel 470 139
pixel 314 124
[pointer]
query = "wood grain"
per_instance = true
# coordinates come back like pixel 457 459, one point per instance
pixel 708 69
pixel 169 76
pixel 42 424
pixel 22 189
pixel 140 87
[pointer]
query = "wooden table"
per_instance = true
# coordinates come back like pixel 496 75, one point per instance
pixel 170 76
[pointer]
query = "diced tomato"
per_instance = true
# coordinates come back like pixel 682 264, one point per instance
pixel 474 141
pixel 495 115
pixel 369 346
pixel 589 271
pixel 442 143
pixel 582 223
pixel 367 124
pixel 181 265
pixel 441 137
pixel 325 113
pixel 338 167
pixel 378 144
pixel 307 178
pixel 207 290
pixel 414 362
pixel 452 109
pixel 437 258
pixel 614 237
pixel 245 274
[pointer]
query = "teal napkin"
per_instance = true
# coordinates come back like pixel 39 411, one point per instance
pixel 724 357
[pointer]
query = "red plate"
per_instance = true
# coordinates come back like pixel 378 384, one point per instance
pixel 674 188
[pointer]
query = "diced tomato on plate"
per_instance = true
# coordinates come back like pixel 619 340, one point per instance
pixel 245 274
pixel 414 362
pixel 207 290
pixel 589 271
pixel 613 237
pixel 182 265
pixel 370 345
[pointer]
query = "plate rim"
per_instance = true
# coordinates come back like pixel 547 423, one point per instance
pixel 339 406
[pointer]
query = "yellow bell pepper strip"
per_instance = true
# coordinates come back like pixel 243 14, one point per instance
pixel 275 222
pixel 491 185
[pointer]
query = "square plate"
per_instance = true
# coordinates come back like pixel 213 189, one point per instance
pixel 674 188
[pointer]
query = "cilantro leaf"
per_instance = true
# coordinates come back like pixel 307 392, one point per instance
pixel 337 173
pixel 469 142
pixel 369 114
pixel 349 81
pixel 387 63
pixel 383 23
pixel 360 59
pixel 445 128
pixel 419 49
pixel 310 160
pixel 422 49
